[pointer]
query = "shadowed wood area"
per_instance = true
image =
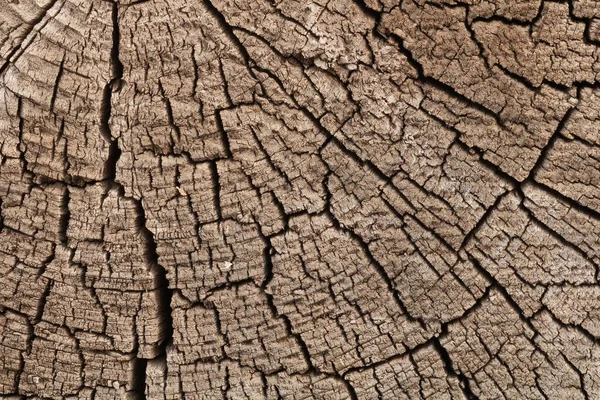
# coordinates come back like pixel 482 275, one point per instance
pixel 300 199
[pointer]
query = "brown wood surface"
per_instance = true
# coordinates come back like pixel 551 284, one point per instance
pixel 300 199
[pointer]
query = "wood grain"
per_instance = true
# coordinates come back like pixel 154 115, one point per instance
pixel 283 199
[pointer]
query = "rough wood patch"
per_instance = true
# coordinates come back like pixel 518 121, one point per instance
pixel 299 199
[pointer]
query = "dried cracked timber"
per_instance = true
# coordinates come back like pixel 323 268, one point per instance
pixel 336 199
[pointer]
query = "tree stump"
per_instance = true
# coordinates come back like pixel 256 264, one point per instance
pixel 286 199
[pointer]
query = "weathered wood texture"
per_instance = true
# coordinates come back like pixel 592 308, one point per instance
pixel 300 199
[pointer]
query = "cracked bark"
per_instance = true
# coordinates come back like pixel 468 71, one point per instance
pixel 344 199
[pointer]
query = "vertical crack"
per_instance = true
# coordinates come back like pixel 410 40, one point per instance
pixel 138 386
pixel 216 190
pixel 465 384
pixel 169 109
pixel 116 75
pixel 64 216
pixel 56 84
pixel 110 165
pixel 117 65
pixel 550 144
pixel 160 274
pixel 150 251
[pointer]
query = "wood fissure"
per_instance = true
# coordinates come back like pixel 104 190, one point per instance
pixel 281 199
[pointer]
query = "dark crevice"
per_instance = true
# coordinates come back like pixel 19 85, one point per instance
pixel 586 32
pixel 138 387
pixel 465 383
pixel 216 189
pixel 277 394
pixel 162 282
pixel 169 109
pixel 214 11
pixel 549 145
pixel 265 385
pixel 435 83
pixel 331 138
pixel 287 322
pixel 160 273
pixel 581 376
pixel 224 137
pixel 556 235
pixel 225 286
pixel 117 65
pixel 268 158
pixel 482 220
pixel 350 389
pixel 27 351
pixel 42 303
pixel 268 250
pixel 505 20
pixel 117 74
pixel 474 149
pixel 372 260
pixel 136 2
pixel 150 252
pixel 25 35
pixel 225 84
pixel 537 384
pixel 110 165
pixel 368 11
pixel 227 387
pixel 22 147
pixel 499 287
pixel 576 327
pixel 518 78
pixel 565 199
pixel 65 215
pixel 429 342
pixel 579 139
pixel 57 84
pixel 105 110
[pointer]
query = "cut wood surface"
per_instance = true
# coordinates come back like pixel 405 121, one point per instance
pixel 300 199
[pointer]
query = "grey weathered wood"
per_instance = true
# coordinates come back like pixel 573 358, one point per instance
pixel 344 199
